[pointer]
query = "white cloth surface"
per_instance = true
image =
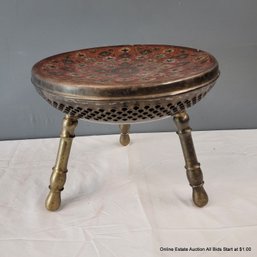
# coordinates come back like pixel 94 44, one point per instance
pixel 129 201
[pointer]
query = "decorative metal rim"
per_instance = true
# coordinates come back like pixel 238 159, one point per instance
pixel 109 92
pixel 127 111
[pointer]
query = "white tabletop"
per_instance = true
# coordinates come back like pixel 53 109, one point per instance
pixel 130 201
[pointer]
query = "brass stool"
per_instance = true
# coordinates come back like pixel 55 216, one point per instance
pixel 123 85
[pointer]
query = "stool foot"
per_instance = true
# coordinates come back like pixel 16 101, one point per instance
pixel 200 197
pixel 124 134
pixel 194 172
pixel 58 177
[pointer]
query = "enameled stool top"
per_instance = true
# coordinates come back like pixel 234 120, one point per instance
pixel 125 84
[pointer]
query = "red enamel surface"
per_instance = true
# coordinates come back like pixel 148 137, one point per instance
pixel 125 65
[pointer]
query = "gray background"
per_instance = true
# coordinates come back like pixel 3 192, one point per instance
pixel 33 29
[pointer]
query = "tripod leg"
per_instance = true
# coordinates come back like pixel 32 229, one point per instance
pixel 194 173
pixel 58 177
pixel 124 134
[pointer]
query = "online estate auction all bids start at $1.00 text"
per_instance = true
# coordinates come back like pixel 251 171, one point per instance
pixel 205 249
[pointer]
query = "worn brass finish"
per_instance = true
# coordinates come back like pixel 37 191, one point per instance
pixel 125 72
pixel 125 85
pixel 126 111
pixel 194 173
pixel 124 134
pixel 58 176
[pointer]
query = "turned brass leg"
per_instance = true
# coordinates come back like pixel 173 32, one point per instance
pixel 58 176
pixel 124 134
pixel 194 173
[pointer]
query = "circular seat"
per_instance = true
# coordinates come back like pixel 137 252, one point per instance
pixel 125 84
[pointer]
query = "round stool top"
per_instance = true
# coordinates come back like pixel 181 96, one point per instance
pixel 124 72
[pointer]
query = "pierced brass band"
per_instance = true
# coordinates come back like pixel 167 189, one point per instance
pixel 58 176
pixel 194 172
pixel 124 134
